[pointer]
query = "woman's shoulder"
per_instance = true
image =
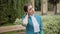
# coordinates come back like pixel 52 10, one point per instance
pixel 37 15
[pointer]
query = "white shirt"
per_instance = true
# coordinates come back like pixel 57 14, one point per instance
pixel 35 24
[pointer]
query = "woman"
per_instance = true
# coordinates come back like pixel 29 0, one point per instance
pixel 32 21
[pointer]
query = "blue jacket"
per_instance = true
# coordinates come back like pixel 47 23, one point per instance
pixel 30 28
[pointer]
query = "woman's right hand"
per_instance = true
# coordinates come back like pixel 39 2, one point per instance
pixel 25 20
pixel 26 15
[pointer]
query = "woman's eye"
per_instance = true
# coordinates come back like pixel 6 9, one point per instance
pixel 30 9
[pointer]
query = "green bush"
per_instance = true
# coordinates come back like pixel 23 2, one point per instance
pixel 51 24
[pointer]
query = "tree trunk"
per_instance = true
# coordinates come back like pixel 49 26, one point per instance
pixel 55 8
pixel 44 7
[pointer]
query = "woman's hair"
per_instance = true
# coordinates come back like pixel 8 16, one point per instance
pixel 26 7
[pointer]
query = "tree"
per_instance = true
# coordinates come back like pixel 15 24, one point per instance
pixel 37 5
pixel 10 10
pixel 54 2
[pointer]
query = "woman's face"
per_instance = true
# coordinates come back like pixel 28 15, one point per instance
pixel 30 10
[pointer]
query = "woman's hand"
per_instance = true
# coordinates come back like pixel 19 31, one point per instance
pixel 25 20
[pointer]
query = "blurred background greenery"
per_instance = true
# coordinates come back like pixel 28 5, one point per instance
pixel 11 12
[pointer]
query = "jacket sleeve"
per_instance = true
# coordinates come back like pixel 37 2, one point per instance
pixel 41 26
pixel 24 21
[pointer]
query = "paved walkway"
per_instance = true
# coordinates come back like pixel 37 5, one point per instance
pixel 11 28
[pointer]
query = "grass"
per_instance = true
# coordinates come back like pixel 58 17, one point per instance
pixel 8 33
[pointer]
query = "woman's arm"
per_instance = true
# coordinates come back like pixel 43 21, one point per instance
pixel 25 20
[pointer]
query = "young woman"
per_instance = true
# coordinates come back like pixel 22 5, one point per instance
pixel 32 21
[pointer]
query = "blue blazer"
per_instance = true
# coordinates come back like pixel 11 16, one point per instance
pixel 30 28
